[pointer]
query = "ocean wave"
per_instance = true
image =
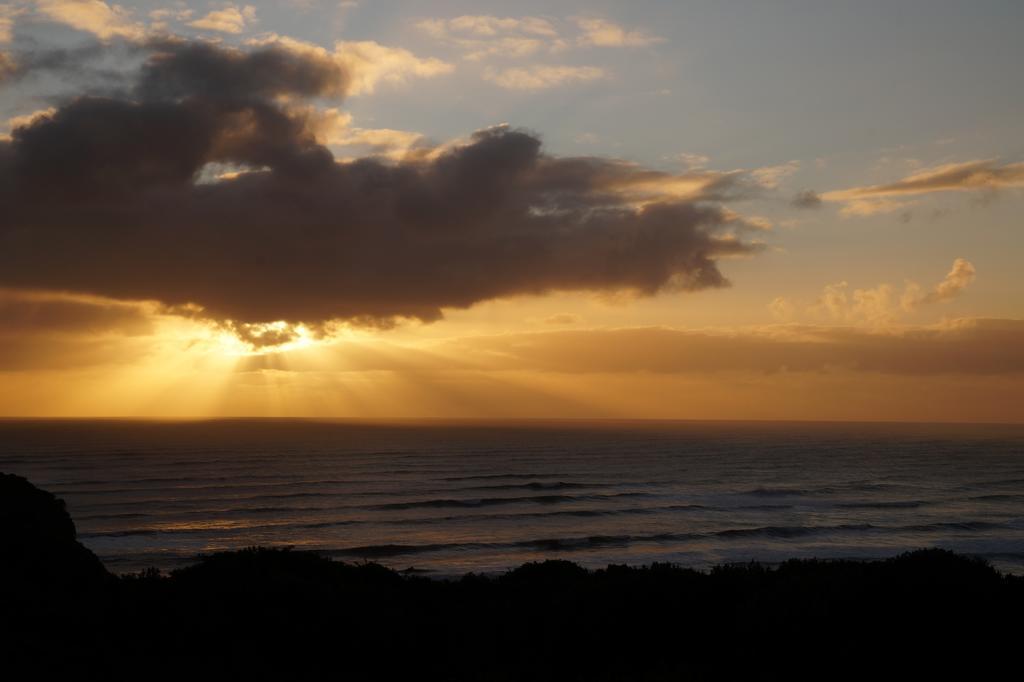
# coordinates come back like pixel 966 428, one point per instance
pixel 311 525
pixel 540 485
pixel 997 497
pixel 492 501
pixel 228 487
pixel 1001 482
pixel 571 544
pixel 791 531
pixel 885 504
pixel 480 477
pixel 776 492
pixel 858 486
pixel 763 507
pixel 167 479
pixel 216 530
pixel 951 525
pixel 581 513
pixel 110 517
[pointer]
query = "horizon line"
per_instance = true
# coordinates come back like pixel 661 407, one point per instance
pixel 493 420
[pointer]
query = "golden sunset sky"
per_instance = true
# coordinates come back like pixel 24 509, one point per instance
pixel 676 210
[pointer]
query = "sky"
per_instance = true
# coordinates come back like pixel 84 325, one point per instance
pixel 770 209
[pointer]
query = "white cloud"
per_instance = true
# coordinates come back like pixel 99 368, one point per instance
pixel 94 16
pixel 957 279
pixel 29 119
pixel 334 127
pixel 880 305
pixel 230 19
pixel 371 63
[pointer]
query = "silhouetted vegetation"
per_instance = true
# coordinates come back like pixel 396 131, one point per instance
pixel 260 613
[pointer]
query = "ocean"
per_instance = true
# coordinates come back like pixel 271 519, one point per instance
pixel 445 498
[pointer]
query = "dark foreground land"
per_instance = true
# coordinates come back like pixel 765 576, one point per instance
pixel 264 613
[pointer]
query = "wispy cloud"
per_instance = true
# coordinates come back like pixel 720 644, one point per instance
pixel 604 33
pixel 984 175
pixel 481 36
pixel 540 76
pixel 484 36
pixel 695 161
pixel 771 177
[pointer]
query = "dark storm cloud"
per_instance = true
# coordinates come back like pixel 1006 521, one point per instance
pixel 112 196
pixel 179 69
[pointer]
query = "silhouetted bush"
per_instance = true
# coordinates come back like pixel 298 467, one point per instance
pixel 262 613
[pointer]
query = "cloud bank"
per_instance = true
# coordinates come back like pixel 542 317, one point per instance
pixel 975 346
